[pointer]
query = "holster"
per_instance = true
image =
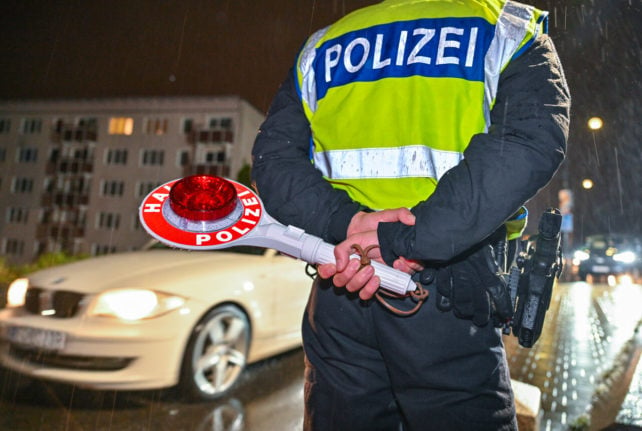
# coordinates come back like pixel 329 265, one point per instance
pixel 533 279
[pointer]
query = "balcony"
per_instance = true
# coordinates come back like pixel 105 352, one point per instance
pixel 59 230
pixel 71 166
pixel 198 136
pixel 218 170
pixel 68 133
pixel 64 200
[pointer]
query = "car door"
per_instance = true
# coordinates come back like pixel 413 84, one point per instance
pixel 292 287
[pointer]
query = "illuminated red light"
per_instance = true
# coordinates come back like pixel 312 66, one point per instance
pixel 202 198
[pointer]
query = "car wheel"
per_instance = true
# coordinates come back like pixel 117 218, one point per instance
pixel 216 354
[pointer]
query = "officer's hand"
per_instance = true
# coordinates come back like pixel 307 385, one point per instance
pixel 362 231
pixel 354 279
pixel 346 272
pixel 408 266
pixel 364 222
pixel 473 288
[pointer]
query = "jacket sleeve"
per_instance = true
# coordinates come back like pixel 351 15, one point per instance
pixel 501 169
pixel 293 190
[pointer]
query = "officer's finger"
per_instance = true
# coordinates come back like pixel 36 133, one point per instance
pixel 408 266
pixel 342 278
pixel 370 288
pixel 342 255
pixel 326 270
pixel 406 217
pixel 359 279
pixel 398 214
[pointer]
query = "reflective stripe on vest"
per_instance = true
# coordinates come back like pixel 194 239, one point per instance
pixel 400 162
pixel 513 26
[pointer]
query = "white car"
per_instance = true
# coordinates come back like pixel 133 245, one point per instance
pixel 152 319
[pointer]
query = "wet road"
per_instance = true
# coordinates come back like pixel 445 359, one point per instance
pixel 268 398
pixel 586 332
pixel 588 346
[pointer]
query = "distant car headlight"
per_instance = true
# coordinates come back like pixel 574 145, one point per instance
pixel 17 292
pixel 134 304
pixel 580 255
pixel 625 257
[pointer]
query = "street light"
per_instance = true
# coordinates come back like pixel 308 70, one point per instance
pixel 595 123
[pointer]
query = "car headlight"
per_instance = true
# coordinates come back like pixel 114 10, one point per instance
pixel 17 292
pixel 625 257
pixel 581 255
pixel 134 304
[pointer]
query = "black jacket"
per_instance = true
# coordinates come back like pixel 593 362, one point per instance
pixel 501 169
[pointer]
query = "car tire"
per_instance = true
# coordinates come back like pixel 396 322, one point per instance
pixel 216 354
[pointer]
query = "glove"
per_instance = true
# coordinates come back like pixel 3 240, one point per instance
pixel 474 288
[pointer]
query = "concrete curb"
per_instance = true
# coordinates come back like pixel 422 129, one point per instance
pixel 528 405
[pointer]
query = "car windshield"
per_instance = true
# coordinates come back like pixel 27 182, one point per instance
pixel 602 242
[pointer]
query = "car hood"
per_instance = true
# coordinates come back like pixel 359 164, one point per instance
pixel 137 269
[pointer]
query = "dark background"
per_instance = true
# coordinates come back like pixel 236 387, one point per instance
pixel 89 48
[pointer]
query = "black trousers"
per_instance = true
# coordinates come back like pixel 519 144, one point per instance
pixel 368 369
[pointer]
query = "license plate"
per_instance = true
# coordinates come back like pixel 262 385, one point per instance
pixel 600 269
pixel 40 338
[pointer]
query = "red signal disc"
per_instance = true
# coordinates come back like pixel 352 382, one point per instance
pixel 154 219
pixel 202 198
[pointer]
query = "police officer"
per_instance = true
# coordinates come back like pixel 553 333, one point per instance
pixel 411 131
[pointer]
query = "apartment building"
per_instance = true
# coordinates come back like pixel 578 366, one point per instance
pixel 73 172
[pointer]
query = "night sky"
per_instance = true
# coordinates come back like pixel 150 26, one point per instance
pixel 90 48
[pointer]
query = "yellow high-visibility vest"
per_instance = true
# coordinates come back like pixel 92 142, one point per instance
pixel 394 92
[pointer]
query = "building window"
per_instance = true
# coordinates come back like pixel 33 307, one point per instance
pixel 27 155
pixel 182 158
pixel 155 126
pixel 54 155
pixel 22 185
pixel 144 188
pixel 82 130
pixel 77 185
pixel 121 126
pixel 220 123
pixel 31 126
pixel 3 154
pixel 226 123
pixel 83 154
pixel 116 157
pixel 88 123
pixel 14 247
pixel 188 125
pixel 216 157
pixel 108 220
pixel 17 215
pixel 113 188
pixel 5 125
pixel 153 157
